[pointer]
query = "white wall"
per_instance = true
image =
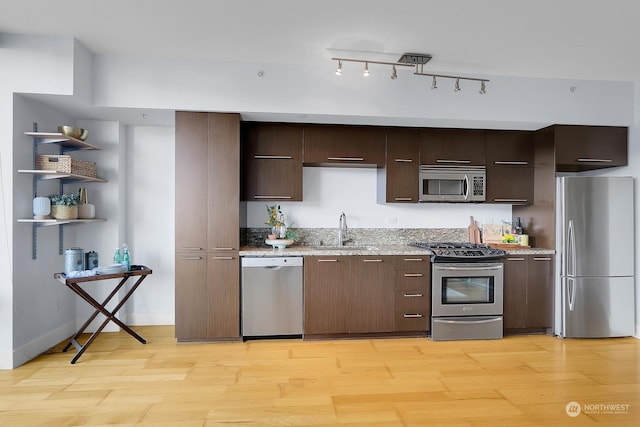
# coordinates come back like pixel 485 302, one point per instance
pixel 329 191
pixel 23 60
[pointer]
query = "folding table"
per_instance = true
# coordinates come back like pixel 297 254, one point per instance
pixel 74 285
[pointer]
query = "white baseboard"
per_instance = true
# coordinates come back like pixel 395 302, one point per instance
pixel 151 319
pixel 36 347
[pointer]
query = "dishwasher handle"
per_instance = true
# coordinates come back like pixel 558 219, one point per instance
pixel 271 262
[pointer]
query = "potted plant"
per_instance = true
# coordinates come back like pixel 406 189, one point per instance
pixel 64 206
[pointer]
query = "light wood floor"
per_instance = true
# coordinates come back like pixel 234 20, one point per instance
pixel 517 381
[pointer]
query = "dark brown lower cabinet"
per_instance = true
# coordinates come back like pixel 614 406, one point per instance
pixel 366 294
pixel 412 286
pixel 192 308
pixel 371 293
pixel 207 305
pixel 528 291
pixel 326 294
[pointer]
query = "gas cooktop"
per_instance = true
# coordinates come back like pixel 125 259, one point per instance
pixel 460 252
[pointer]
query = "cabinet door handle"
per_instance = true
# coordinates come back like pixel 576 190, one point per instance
pixel 327 260
pixel 267 157
pixel 223 258
pixel 413 295
pixel 541 259
pixel 453 161
pixel 515 259
pixel 412 315
pixel 222 249
pixel 372 260
pixel 403 199
pixel 413 274
pixel 346 159
pixel 190 249
pixel 403 160
pixel 595 160
pixel 259 196
pixel 510 162
pixel 511 200
pixel 191 258
pixel 413 259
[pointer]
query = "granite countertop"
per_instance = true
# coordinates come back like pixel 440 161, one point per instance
pixel 387 249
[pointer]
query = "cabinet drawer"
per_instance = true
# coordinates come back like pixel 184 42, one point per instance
pixel 412 320
pixel 411 300
pixel 415 280
pixel 413 262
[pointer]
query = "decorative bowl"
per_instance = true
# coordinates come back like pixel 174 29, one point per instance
pixel 279 243
pixel 74 132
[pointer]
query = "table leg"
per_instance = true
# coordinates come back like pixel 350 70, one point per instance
pixel 101 308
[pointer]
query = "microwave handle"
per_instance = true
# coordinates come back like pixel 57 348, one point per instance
pixel 466 186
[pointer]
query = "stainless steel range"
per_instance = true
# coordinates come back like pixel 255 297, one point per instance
pixel 467 291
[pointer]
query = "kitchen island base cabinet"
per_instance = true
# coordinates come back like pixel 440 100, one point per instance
pixel 528 292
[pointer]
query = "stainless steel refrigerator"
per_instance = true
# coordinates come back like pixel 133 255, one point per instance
pixel 594 293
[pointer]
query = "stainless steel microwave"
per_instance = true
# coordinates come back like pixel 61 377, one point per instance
pixel 452 183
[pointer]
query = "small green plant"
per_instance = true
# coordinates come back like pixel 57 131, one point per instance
pixel 293 233
pixel 66 199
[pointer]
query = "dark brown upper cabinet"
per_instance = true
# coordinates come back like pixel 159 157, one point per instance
pixel 352 146
pixel 580 148
pixel 398 181
pixel 452 147
pixel 509 157
pixel 272 161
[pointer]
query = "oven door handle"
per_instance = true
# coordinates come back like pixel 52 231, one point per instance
pixel 466 322
pixel 474 268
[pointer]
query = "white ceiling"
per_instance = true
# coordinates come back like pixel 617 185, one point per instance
pixel 577 39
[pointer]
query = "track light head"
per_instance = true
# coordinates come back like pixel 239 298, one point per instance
pixel 434 84
pixel 394 73
pixel 456 88
pixel 366 69
pixel 339 69
pixel 483 89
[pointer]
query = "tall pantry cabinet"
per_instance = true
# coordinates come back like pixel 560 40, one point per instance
pixel 207 230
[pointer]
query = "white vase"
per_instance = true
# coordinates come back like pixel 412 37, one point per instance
pixel 86 211
pixel 41 207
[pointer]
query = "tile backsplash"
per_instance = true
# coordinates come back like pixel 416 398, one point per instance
pixel 362 236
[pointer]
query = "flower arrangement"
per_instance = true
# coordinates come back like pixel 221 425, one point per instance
pixel 274 215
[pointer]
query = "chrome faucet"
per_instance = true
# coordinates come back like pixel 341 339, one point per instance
pixel 342 230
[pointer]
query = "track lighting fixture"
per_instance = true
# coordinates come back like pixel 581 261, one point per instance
pixel 416 61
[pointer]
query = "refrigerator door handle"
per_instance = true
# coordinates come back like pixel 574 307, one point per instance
pixel 571 293
pixel 571 249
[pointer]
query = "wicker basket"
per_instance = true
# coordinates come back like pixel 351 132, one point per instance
pixel 66 164
pixel 64 212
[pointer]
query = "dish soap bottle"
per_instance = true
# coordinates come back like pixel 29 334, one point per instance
pixel 126 258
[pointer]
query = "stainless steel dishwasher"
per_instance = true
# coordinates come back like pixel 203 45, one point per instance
pixel 271 292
